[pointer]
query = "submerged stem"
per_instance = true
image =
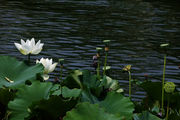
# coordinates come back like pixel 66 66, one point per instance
pixel 129 84
pixel 164 70
pixel 105 63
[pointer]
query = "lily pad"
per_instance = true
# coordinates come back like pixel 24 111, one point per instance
pixel 116 103
pixel 69 93
pixel 14 73
pixel 87 111
pixel 52 109
pixel 145 115
pixel 72 80
pixel 25 96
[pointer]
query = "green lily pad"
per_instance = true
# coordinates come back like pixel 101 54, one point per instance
pixel 69 93
pixel 25 96
pixel 145 115
pixel 72 80
pixel 65 91
pixel 14 73
pixel 87 111
pixel 116 103
pixel 52 109
pixel 56 90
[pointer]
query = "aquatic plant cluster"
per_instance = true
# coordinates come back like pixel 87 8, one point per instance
pixel 26 93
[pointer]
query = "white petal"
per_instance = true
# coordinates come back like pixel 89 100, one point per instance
pixel 35 51
pixel 52 67
pixel 40 46
pixel 22 42
pixel 21 49
pixel 38 43
pixel 28 42
pixel 18 46
pixel 42 60
pixel 32 42
pixel 50 61
pixel 26 48
pixel 45 76
pixel 37 61
pixel 47 68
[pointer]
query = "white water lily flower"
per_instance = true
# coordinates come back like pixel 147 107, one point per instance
pixel 29 47
pixel 48 66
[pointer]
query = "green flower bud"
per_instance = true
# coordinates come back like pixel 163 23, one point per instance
pixel 169 87
pixel 61 61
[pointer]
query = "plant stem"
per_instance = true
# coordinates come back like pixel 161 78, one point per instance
pixel 105 63
pixel 29 59
pixel 167 112
pixel 129 84
pixel 61 71
pixel 98 68
pixel 164 70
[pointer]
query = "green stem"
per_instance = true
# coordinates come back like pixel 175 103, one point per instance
pixel 61 72
pixel 129 84
pixel 167 112
pixel 98 68
pixel 164 70
pixel 29 59
pixel 105 63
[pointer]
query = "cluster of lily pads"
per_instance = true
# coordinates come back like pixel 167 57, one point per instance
pixel 26 93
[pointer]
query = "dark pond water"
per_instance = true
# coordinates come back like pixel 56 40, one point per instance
pixel 73 29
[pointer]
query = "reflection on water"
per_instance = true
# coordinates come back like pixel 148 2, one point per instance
pixel 73 29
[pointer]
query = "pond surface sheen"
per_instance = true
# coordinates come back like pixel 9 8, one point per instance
pixel 73 29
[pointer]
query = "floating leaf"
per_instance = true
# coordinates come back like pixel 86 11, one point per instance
pixel 14 73
pixel 56 90
pixel 25 96
pixel 68 93
pixel 87 111
pixel 119 105
pixel 73 81
pixel 145 116
pixel 51 109
pixel 87 96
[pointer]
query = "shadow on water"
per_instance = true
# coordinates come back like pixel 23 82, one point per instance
pixel 73 29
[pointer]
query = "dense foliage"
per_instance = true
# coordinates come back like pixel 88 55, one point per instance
pixel 80 96
pixel 25 93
